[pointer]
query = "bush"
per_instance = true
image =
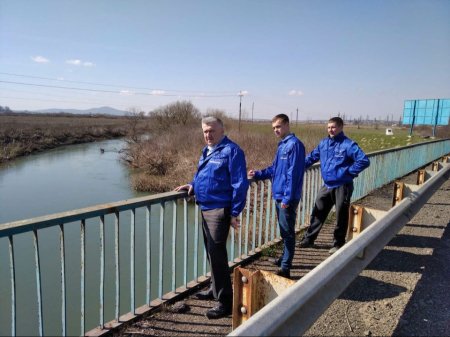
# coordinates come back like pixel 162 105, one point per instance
pixel 178 113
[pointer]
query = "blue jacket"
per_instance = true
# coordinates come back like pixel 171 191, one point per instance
pixel 221 178
pixel 286 170
pixel 341 160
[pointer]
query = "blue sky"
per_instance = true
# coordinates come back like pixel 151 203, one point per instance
pixel 358 58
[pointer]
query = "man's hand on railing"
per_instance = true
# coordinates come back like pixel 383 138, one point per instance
pixel 235 222
pixel 188 187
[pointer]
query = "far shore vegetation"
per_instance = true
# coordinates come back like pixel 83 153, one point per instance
pixel 22 134
pixel 169 156
pixel 163 147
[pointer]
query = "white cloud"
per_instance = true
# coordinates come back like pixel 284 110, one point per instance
pixel 294 92
pixel 158 92
pixel 243 93
pixel 126 93
pixel 76 62
pixel 40 59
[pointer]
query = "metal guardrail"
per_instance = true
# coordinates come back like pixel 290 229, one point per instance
pixel 163 247
pixel 293 312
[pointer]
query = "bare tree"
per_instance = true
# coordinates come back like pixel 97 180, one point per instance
pixel 178 113
pixel 135 118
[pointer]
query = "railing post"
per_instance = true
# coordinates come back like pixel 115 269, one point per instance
pixel 12 269
pixel 63 279
pixel 38 281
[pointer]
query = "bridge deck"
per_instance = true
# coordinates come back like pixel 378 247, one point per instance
pixel 194 323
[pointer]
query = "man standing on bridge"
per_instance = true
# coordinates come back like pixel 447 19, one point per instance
pixel 286 173
pixel 220 187
pixel 341 160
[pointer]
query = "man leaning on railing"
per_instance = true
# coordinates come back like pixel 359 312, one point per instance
pixel 341 160
pixel 220 187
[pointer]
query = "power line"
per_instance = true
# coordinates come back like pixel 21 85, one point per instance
pixel 112 91
pixel 120 86
pixel 87 103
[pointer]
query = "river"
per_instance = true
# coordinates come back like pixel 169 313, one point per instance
pixel 54 181
pixel 63 179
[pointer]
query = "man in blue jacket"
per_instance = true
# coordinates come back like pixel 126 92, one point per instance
pixel 286 173
pixel 341 160
pixel 220 187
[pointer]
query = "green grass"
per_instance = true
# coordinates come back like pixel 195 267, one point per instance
pixel 368 138
pixel 371 139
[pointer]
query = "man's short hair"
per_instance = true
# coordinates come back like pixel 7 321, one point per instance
pixel 208 120
pixel 284 118
pixel 337 120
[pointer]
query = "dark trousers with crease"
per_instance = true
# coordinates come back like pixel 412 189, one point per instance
pixel 326 199
pixel 216 226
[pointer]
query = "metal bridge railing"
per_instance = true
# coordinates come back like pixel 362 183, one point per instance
pixel 296 309
pixel 110 262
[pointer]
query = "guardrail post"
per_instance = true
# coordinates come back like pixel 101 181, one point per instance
pixel 398 192
pixel 435 166
pixel 420 177
pixel 355 221
pixel 253 290
pixel 360 218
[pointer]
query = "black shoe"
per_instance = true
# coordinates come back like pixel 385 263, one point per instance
pixel 205 295
pixel 305 243
pixel 284 273
pixel 275 261
pixel 219 311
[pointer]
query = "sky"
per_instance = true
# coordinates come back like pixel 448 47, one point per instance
pixel 324 57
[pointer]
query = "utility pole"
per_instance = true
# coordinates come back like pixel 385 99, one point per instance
pixel 253 106
pixel 240 107
pixel 296 120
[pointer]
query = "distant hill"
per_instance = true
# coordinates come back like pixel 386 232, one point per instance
pixel 104 110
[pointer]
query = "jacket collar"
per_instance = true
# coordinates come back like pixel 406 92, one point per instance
pixel 339 137
pixel 285 139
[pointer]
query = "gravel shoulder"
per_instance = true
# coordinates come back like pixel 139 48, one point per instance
pixel 404 291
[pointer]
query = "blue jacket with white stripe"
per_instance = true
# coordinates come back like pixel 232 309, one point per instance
pixel 221 178
pixel 286 170
pixel 341 160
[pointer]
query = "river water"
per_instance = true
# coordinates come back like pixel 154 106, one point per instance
pixel 63 179
pixel 55 181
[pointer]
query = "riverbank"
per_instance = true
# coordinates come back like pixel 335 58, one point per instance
pixel 23 134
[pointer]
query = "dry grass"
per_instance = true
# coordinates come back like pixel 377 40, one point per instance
pixel 170 158
pixel 23 134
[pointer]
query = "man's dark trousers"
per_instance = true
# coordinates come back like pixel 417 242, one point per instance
pixel 216 225
pixel 326 199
